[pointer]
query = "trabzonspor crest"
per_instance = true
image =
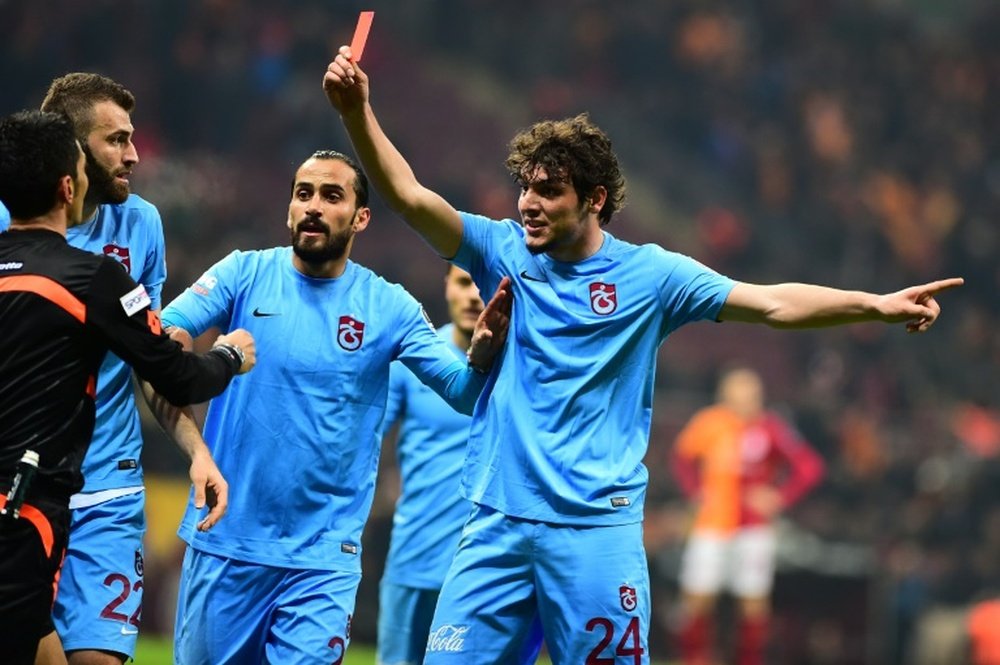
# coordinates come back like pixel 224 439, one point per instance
pixel 119 254
pixel 628 597
pixel 603 298
pixel 350 333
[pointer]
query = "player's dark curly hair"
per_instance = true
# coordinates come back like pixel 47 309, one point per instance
pixel 36 150
pixel 74 95
pixel 573 148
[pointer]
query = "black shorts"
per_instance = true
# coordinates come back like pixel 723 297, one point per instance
pixel 31 552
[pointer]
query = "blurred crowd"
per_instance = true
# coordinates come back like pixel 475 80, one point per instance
pixel 854 143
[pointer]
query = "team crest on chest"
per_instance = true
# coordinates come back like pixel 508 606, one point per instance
pixel 628 597
pixel 350 333
pixel 119 254
pixel 603 298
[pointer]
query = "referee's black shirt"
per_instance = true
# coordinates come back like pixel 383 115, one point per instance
pixel 61 310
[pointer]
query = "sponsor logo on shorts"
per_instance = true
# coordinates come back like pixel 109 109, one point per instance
pixel 350 333
pixel 348 548
pixel 628 597
pixel 135 300
pixel 139 565
pixel 12 265
pixel 603 298
pixel 127 630
pixel 620 502
pixel 447 638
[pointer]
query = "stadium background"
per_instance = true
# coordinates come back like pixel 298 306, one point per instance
pixel 854 143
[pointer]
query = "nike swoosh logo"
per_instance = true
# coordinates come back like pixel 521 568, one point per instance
pixel 256 312
pixel 525 275
pixel 129 631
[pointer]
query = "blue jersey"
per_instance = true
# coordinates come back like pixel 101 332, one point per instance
pixel 298 438
pixel 562 436
pixel 131 233
pixel 430 450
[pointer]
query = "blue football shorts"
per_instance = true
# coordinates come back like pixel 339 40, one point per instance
pixel 232 612
pixel 588 587
pixel 99 599
pixel 404 620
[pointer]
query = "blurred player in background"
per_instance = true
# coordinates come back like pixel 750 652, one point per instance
pixel 742 466
pixel 99 604
pixel 430 512
pixel 555 453
pixel 61 310
pixel 983 630
pixel 276 581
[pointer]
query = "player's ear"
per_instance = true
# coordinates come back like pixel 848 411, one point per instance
pixel 361 219
pixel 598 196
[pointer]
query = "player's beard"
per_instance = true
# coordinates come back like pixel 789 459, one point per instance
pixel 334 248
pixel 103 187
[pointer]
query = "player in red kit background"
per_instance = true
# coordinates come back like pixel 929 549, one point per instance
pixel 743 465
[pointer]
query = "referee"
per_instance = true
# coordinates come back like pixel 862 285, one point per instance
pixel 61 310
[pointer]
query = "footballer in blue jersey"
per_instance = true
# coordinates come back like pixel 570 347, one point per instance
pixel 276 580
pixel 430 512
pixel 554 462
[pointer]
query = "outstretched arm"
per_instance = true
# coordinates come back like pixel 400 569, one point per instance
pixel 809 306
pixel 346 86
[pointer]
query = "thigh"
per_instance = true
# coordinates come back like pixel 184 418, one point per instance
pixel 311 621
pixel 753 562
pixel 224 610
pixel 30 553
pixel 404 621
pixel 487 605
pixel 703 565
pixel 593 594
pixel 99 601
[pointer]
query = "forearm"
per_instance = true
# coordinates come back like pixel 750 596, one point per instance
pixel 383 163
pixel 463 389
pixel 178 422
pixel 429 214
pixel 794 305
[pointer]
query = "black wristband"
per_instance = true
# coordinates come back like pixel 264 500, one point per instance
pixel 233 353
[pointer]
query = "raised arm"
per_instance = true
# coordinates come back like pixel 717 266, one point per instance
pixel 346 86
pixel 794 305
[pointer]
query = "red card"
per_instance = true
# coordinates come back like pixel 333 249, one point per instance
pixel 361 35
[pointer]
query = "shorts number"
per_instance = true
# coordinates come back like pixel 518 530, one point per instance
pixel 629 645
pixel 109 611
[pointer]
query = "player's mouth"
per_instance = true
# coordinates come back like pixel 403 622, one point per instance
pixel 533 227
pixel 312 228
